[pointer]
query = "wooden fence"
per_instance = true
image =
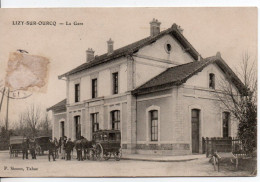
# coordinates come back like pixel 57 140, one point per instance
pixel 234 145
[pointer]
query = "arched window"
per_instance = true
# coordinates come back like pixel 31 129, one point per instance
pixel 154 125
pixel 153 128
pixel 212 80
pixel 115 118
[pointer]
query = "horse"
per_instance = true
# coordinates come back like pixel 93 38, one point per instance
pixel 83 145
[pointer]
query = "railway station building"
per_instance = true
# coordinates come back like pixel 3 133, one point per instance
pixel 159 92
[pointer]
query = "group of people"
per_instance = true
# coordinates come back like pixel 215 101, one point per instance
pixel 29 145
pixel 64 147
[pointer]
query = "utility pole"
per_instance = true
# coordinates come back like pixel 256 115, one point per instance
pixel 2 98
pixel 7 107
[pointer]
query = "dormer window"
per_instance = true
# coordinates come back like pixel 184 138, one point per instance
pixel 212 81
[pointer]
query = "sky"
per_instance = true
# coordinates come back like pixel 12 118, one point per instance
pixel 230 31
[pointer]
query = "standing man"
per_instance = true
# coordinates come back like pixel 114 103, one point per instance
pixel 84 144
pixel 56 143
pixel 25 148
pixel 69 148
pixel 63 147
pixel 78 146
pixel 33 148
pixel 51 148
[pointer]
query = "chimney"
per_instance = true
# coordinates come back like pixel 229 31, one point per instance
pixel 180 29
pixel 110 46
pixel 90 54
pixel 155 27
pixel 218 55
pixel 199 58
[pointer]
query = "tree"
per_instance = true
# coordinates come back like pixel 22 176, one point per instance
pixel 32 118
pixel 44 126
pixel 242 102
pixel 33 122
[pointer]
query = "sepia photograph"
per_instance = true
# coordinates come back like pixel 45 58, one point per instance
pixel 128 92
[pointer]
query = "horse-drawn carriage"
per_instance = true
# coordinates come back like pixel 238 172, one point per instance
pixel 105 143
pixel 16 145
pixel 41 144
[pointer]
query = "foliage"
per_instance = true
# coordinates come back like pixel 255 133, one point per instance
pixel 242 102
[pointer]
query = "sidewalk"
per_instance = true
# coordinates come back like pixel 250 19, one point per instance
pixel 153 158
pixel 4 151
pixel 156 158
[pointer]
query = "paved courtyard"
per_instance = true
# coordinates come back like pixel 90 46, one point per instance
pixel 42 167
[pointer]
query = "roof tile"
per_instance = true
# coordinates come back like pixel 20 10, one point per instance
pixel 132 48
pixel 178 75
pixel 59 106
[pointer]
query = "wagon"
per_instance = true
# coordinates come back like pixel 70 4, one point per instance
pixel 222 150
pixel 41 144
pixel 107 143
pixel 16 145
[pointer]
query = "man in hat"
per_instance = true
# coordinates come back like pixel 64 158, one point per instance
pixel 69 148
pixel 56 143
pixel 78 146
pixel 63 147
pixel 33 148
pixel 51 148
pixel 25 148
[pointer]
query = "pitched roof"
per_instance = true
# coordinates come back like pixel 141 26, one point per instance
pixel 59 106
pixel 134 47
pixel 178 75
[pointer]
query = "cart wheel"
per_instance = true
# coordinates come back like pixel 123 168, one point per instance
pixel 99 151
pixel 118 154
pixel 107 155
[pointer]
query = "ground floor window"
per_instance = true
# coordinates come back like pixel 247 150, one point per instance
pixel 95 122
pixel 154 125
pixel 115 118
pixel 77 127
pixel 226 117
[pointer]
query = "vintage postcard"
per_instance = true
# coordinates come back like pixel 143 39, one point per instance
pixel 126 92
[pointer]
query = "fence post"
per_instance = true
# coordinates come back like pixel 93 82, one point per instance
pixel 207 147
pixel 203 145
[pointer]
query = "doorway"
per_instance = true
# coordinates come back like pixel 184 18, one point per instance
pixel 62 129
pixel 77 127
pixel 195 129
